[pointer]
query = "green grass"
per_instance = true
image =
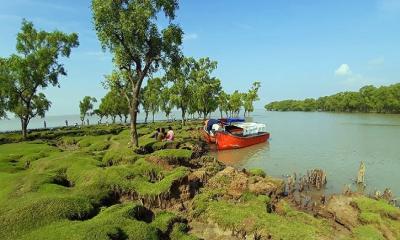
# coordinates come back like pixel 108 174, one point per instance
pixel 367 233
pixel 61 185
pixel 377 216
pixel 174 156
pixel 250 216
pixel 115 222
pixel 257 172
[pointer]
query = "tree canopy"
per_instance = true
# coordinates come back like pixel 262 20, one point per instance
pixel 181 76
pixel 207 88
pixel 385 99
pixel 130 31
pixel 34 67
pixel 152 95
pixel 85 106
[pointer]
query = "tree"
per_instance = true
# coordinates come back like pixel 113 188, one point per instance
pixel 181 90
pixel 145 104
pixel 129 29
pixel 99 113
pixel 385 99
pixel 152 95
pixel 85 106
pixel 223 103
pixel 207 87
pixel 250 97
pixel 113 105
pixel 166 104
pixel 235 103
pixel 34 67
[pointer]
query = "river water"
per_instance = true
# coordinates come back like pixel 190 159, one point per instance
pixel 335 142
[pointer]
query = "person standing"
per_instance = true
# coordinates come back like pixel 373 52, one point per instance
pixel 66 123
pixel 44 124
pixel 87 121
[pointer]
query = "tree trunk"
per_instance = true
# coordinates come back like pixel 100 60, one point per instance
pixel 133 111
pixel 24 127
pixel 145 118
pixel 153 116
pixel 183 117
pixel 134 137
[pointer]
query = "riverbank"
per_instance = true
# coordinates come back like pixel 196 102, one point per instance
pixel 88 183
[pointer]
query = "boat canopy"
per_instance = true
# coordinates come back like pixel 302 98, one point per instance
pixel 231 120
pixel 250 128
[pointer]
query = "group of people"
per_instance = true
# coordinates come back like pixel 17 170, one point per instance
pixel 161 135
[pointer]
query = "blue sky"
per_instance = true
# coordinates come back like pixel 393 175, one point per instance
pixel 296 48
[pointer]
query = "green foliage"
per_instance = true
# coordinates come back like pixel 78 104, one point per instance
pixel 113 105
pixel 129 29
pixel 152 96
pixel 235 103
pixel 35 66
pixel 85 106
pixel 385 99
pixel 181 76
pixel 250 97
pixel 207 88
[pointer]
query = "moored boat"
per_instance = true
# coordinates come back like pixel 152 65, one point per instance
pixel 234 133
pixel 233 137
pixel 208 137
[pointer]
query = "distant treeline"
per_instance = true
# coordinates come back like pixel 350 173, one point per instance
pixel 385 99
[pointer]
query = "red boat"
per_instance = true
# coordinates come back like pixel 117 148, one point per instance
pixel 227 140
pixel 207 137
pixel 240 136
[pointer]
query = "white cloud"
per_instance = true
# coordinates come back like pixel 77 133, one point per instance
pixel 377 61
pixel 343 70
pixel 190 36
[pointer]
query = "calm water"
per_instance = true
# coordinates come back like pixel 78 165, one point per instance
pixel 331 141
pixel 58 121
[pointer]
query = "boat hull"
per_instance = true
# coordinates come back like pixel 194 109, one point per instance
pixel 226 141
pixel 208 138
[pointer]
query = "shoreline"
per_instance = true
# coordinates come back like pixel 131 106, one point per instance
pixel 204 198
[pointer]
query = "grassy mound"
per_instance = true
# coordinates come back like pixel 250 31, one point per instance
pixel 248 217
pixel 71 187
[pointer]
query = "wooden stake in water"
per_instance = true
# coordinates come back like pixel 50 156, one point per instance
pixel 361 173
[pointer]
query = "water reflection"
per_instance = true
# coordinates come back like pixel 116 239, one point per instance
pixel 237 157
pixel 333 142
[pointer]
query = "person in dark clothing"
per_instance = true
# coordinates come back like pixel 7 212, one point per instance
pixel 161 135
pixel 210 123
pixel 155 135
